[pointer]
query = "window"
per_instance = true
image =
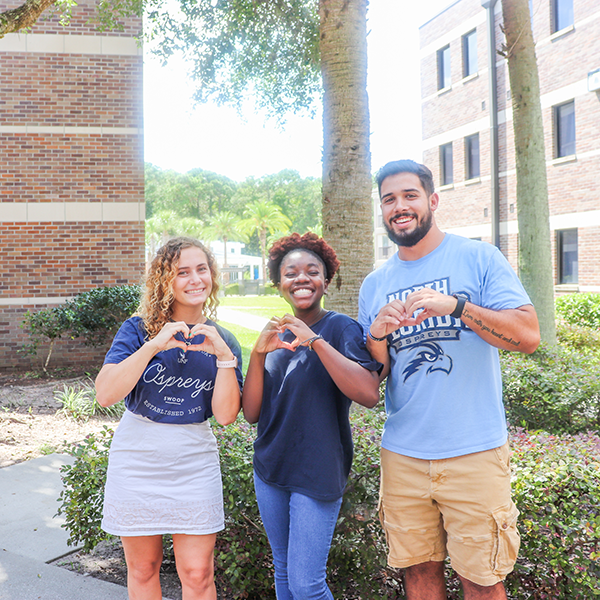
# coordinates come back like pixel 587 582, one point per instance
pixel 563 14
pixel 472 156
pixel 564 129
pixel 446 164
pixel 469 44
pixel 566 256
pixel 385 247
pixel 443 58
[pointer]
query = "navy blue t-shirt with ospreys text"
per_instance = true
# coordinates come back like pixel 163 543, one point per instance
pixel 176 386
pixel 304 441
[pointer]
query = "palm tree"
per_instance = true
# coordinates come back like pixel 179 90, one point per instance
pixel 262 217
pixel 224 226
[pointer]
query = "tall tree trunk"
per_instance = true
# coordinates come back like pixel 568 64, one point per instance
pixel 347 183
pixel 535 254
pixel 262 238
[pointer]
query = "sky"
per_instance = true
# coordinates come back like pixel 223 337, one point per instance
pixel 181 136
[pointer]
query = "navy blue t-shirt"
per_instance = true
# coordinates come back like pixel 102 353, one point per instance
pixel 304 441
pixel 176 386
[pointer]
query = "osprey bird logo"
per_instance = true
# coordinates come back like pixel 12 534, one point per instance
pixel 432 354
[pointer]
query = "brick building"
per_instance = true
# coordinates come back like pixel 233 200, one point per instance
pixel 457 109
pixel 71 170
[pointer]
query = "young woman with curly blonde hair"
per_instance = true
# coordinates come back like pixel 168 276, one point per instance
pixel 175 368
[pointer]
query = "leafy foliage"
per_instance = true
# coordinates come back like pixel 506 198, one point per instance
pixel 92 315
pixel 579 309
pixel 243 554
pixel 556 389
pixel 83 493
pixel 556 486
pixel 241 48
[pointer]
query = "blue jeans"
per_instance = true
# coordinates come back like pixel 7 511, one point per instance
pixel 299 529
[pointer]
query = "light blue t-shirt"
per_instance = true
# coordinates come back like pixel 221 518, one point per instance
pixel 444 392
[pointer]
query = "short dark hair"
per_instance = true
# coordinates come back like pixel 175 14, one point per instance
pixel 310 242
pixel 407 166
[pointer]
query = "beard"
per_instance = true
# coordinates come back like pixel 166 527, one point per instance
pixel 411 238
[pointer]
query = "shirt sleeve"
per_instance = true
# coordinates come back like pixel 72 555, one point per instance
pixel 352 345
pixel 502 289
pixel 129 339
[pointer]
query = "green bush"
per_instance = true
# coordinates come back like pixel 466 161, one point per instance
pixel 268 290
pixel 242 554
pixel 579 309
pixel 556 486
pixel 233 289
pixel 94 315
pixel 83 493
pixel 578 337
pixel 556 389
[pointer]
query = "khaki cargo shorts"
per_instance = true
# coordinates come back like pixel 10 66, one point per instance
pixel 460 507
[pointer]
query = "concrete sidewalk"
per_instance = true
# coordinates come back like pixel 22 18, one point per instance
pixel 241 318
pixel 31 537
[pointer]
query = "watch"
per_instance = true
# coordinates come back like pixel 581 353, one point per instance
pixel 460 306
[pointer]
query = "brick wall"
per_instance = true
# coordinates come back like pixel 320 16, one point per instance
pixel 71 172
pixel 564 61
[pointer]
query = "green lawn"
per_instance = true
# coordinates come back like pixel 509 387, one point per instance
pixel 261 306
pixel 246 338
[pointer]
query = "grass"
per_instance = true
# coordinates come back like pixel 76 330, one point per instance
pixel 261 306
pixel 246 338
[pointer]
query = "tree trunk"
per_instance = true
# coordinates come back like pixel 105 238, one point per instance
pixel 262 238
pixel 347 183
pixel 535 254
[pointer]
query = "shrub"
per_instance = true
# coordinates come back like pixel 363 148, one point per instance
pixel 556 389
pixel 578 337
pixel 83 493
pixel 93 315
pixel 233 289
pixel 358 558
pixel 96 314
pixel 556 486
pixel 243 555
pixel 579 309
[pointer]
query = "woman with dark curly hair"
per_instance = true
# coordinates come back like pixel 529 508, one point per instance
pixel 304 372
pixel 175 368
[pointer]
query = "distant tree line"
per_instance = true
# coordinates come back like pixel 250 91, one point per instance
pixel 211 207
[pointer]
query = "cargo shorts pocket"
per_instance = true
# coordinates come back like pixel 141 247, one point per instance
pixel 506 540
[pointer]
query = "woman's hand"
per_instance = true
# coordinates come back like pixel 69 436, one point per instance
pixel 299 328
pixel 269 340
pixel 211 342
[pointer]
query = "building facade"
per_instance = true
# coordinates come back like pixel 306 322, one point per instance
pixel 71 171
pixel 458 128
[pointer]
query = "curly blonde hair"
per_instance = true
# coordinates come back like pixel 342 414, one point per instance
pixel 156 306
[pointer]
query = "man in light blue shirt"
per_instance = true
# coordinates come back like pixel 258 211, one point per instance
pixel 435 314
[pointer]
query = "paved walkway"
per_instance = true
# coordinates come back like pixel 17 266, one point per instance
pixel 31 536
pixel 241 318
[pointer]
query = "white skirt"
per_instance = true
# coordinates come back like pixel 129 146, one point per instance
pixel 162 478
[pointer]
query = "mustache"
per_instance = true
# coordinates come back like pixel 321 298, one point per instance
pixel 403 214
